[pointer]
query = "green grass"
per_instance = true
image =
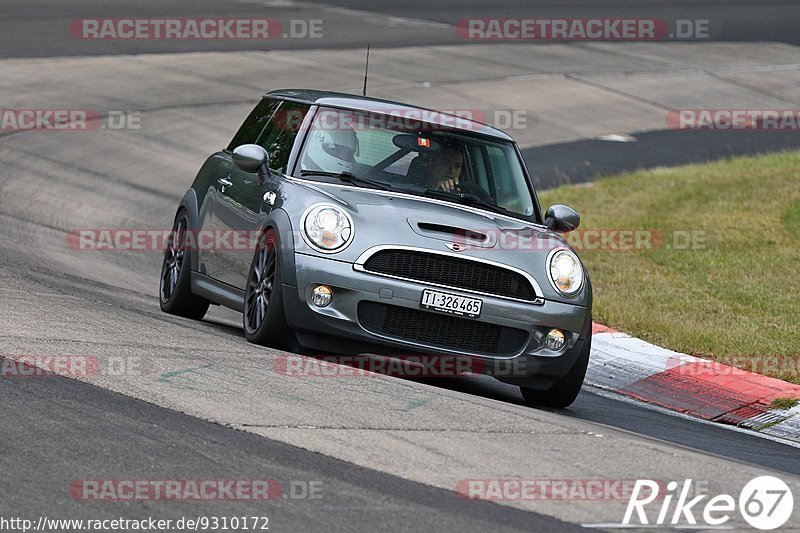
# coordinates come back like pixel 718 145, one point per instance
pixel 783 403
pixel 736 297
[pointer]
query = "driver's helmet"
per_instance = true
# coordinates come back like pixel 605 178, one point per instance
pixel 332 150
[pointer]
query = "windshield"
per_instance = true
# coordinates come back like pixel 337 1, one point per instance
pixel 410 156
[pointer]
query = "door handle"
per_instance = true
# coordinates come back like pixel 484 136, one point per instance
pixel 224 182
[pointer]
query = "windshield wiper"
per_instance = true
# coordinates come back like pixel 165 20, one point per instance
pixel 467 199
pixel 347 177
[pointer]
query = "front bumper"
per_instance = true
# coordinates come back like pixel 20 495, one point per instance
pixel 337 329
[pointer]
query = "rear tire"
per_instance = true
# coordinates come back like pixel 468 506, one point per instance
pixel 175 286
pixel 263 316
pixel 565 390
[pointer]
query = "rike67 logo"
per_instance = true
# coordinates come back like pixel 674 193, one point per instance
pixel 765 503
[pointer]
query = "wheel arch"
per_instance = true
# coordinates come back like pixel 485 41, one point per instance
pixel 278 220
pixel 189 203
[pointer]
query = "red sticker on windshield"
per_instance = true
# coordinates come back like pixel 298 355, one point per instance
pixel 424 142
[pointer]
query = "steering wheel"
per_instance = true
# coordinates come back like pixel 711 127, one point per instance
pixel 477 190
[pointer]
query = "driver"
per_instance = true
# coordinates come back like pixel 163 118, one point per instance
pixel 441 170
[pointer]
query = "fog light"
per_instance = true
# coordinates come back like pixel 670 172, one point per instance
pixel 322 296
pixel 555 340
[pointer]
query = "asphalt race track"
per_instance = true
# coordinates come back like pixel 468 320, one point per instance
pixel 130 435
pixel 193 400
pixel 38 28
pixel 584 160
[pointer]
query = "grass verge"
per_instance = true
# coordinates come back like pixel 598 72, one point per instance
pixel 720 277
pixel 783 403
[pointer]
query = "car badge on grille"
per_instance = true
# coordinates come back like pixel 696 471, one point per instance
pixel 456 247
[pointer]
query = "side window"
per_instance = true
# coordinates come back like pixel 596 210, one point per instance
pixel 254 124
pixel 279 135
pixel 512 193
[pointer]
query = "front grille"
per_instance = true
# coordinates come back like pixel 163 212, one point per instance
pixel 451 271
pixel 441 331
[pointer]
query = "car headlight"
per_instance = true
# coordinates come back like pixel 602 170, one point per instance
pixel 566 272
pixel 328 228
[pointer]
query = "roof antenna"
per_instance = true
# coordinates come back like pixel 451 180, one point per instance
pixel 366 71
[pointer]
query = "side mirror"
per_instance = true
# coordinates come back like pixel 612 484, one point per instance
pixel 252 158
pixel 562 218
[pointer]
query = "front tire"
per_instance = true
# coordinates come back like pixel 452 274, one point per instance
pixel 175 286
pixel 565 390
pixel 263 316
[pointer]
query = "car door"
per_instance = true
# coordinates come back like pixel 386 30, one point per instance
pixel 240 196
pixel 211 257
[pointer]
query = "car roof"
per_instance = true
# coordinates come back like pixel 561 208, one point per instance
pixel 377 105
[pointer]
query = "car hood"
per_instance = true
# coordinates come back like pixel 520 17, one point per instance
pixel 388 218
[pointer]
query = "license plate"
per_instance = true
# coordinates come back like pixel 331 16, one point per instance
pixel 451 304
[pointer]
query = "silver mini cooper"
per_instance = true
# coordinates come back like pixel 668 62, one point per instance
pixel 344 224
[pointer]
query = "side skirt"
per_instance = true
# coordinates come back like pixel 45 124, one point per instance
pixel 217 292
